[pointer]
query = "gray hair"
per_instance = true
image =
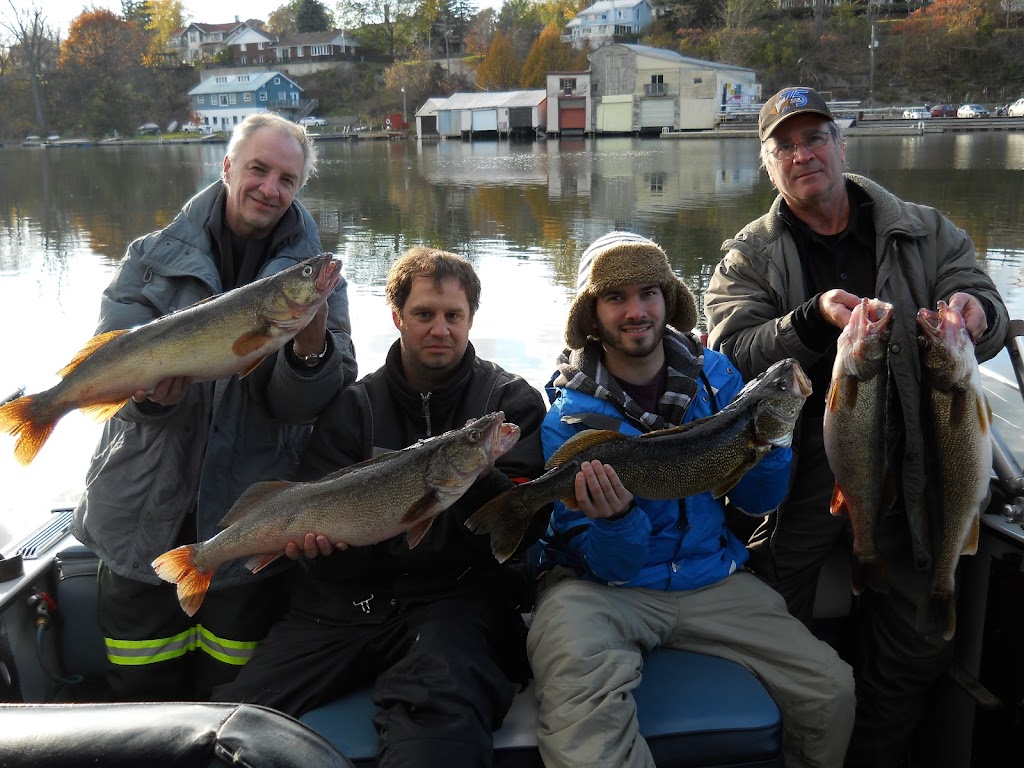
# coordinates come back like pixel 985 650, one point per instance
pixel 830 125
pixel 254 122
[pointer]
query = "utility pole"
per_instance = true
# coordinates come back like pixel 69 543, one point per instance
pixel 405 120
pixel 872 47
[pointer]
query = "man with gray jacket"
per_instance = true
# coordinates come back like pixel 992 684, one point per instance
pixel 786 288
pixel 171 463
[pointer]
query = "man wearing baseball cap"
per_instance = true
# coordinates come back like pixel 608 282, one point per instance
pixel 624 574
pixel 786 287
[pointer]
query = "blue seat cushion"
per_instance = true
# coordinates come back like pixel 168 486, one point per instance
pixel 693 709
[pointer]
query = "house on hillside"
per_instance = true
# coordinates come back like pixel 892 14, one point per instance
pixel 223 101
pixel 201 42
pixel 569 103
pixel 639 89
pixel 312 47
pixel 599 23
pixel 251 46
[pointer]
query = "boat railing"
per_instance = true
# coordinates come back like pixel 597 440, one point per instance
pixel 1009 476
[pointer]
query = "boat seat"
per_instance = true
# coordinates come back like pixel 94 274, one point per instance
pixel 693 710
pixel 178 735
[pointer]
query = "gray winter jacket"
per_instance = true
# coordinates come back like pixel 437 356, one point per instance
pixel 153 466
pixel 921 257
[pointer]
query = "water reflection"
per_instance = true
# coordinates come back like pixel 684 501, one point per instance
pixel 522 212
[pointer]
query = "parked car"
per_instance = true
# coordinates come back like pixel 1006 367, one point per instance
pixel 148 129
pixel 972 110
pixel 311 122
pixel 916 113
pixel 193 128
pixel 1016 109
pixel 943 110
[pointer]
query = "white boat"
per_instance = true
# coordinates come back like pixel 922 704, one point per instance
pixel 694 710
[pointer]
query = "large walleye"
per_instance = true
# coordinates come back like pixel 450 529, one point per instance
pixel 401 491
pixel 855 432
pixel 960 438
pixel 230 333
pixel 710 454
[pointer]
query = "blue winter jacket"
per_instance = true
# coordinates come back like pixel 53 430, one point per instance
pixel 649 547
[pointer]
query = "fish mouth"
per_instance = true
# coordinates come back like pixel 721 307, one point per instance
pixel 329 275
pixel 801 381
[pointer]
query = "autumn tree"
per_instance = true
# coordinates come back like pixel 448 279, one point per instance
pixel 386 25
pixel 283 20
pixel 420 77
pixel 501 67
pixel 550 54
pixel 165 16
pixel 34 39
pixel 103 80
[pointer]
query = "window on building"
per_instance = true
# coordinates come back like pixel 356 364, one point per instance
pixel 698 80
pixel 220 80
pixel 243 60
pixel 242 46
pixel 277 81
pixel 243 78
pixel 262 60
pixel 568 85
pixel 200 99
pixel 320 50
pixel 232 98
pixel 263 95
pixel 247 97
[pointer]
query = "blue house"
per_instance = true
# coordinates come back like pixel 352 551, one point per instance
pixel 223 101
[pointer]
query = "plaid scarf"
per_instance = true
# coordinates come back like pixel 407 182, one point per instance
pixel 583 371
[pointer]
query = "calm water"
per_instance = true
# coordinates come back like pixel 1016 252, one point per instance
pixel 521 212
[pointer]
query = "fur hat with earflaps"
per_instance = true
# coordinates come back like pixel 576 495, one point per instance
pixel 622 258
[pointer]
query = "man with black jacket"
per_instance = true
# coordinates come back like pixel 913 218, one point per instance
pixel 437 628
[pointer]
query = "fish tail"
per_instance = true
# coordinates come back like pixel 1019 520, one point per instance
pixel 20 418
pixel 869 573
pixel 944 609
pixel 506 519
pixel 178 567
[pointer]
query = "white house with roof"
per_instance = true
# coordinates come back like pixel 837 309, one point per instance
pixel 487 113
pixel 197 42
pixel 223 101
pixel 600 22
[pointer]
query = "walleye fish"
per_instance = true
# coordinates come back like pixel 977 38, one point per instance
pixel 854 434
pixel 960 437
pixel 227 334
pixel 398 492
pixel 709 454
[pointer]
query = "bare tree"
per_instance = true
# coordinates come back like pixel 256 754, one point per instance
pixel 35 42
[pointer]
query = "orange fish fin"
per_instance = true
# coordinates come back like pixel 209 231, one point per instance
pixel 253 494
pixel 415 534
pixel 103 411
pixel 257 563
pixel 832 398
pixel 90 346
pixel 839 504
pixel 970 546
pixel 178 567
pixel 16 419
pixel 580 442
pixel 246 371
pixel 250 342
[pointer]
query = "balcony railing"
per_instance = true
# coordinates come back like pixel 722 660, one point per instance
pixel 655 89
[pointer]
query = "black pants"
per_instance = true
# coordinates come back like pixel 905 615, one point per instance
pixel 437 680
pixel 897 666
pixel 156 652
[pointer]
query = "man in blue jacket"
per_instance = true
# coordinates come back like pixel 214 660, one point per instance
pixel 623 575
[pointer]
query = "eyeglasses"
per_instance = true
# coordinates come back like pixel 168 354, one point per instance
pixel 788 151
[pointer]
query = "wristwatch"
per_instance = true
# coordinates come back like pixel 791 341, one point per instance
pixel 311 360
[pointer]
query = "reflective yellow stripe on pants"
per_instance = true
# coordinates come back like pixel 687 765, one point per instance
pixel 138 652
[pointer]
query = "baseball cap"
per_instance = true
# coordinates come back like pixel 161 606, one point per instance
pixel 796 100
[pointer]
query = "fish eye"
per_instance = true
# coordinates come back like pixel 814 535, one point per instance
pixel 474 434
pixel 307 270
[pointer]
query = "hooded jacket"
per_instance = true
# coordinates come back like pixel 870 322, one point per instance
pixel 667 545
pixel 920 258
pixel 155 466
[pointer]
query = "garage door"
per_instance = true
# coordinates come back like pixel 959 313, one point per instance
pixel 615 117
pixel 572 118
pixel 485 120
pixel 657 113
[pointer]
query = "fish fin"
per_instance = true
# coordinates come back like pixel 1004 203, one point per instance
pixel 506 519
pixel 249 342
pixel 415 534
pixel 970 545
pixel 16 419
pixel 90 346
pixel 423 507
pixel 944 609
pixel 580 442
pixel 103 411
pixel 253 494
pixel 726 483
pixel 246 371
pixel 257 563
pixel 178 567
pixel 839 505
pixel 870 574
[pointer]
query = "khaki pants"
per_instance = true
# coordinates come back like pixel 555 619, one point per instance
pixel 586 643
